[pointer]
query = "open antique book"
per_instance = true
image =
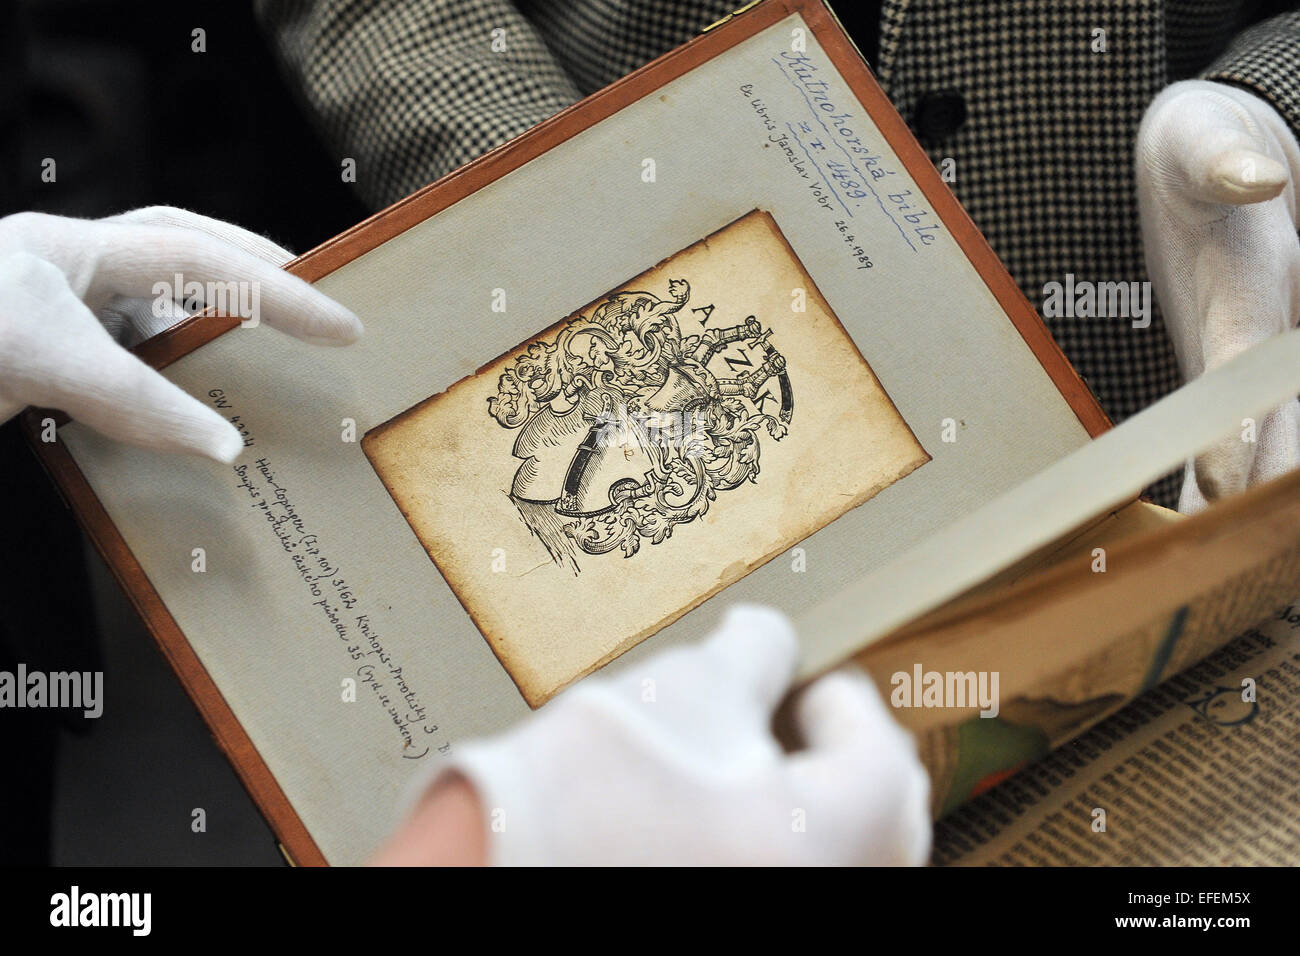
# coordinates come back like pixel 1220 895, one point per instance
pixel 720 327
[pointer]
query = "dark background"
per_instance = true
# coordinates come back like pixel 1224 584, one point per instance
pixel 132 117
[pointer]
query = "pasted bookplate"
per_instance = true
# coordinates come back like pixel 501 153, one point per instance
pixel 588 488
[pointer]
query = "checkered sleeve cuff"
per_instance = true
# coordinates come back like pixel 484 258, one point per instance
pixel 1266 61
pixel 412 90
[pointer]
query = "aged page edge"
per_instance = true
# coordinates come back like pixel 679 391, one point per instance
pixel 1111 469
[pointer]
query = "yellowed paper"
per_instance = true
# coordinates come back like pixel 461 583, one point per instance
pixel 588 488
pixel 1200 771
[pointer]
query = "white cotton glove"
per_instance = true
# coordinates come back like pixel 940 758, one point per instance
pixel 1217 169
pixel 673 762
pixel 66 284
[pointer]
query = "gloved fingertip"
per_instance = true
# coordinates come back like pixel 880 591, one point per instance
pixel 1242 176
pixel 224 446
pixel 1219 475
pixel 758 617
pixel 755 647
pixel 841 707
pixel 336 327
pixel 350 329
pixel 760 622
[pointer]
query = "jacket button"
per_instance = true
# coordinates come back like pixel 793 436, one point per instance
pixel 938 115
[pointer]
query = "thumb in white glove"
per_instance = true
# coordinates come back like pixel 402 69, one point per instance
pixel 57 275
pixel 1217 169
pixel 673 762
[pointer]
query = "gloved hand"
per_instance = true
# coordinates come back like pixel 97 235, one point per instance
pixel 1217 169
pixel 57 275
pixel 673 762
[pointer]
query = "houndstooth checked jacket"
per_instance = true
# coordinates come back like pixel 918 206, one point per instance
pixel 1040 124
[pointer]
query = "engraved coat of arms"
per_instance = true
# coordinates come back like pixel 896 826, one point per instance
pixel 628 427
